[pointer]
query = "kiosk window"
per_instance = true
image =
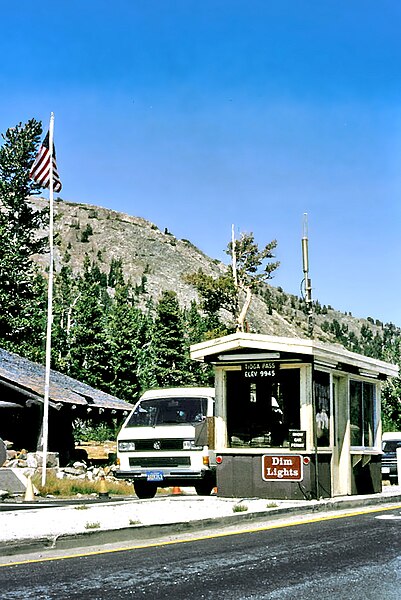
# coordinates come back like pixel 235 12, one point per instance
pixel 262 407
pixel 362 413
pixel 322 407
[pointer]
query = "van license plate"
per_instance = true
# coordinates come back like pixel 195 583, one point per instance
pixel 385 469
pixel 154 475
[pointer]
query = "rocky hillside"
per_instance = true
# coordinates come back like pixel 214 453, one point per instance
pixel 155 260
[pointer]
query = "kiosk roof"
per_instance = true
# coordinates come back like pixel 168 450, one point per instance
pixel 329 355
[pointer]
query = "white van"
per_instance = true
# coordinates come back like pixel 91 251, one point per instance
pixel 162 444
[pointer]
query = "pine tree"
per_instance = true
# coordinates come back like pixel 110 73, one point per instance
pixel 238 284
pixel 129 332
pixel 22 288
pixel 170 352
pixel 196 327
pixel 115 276
pixel 250 270
pixel 90 352
pixel 215 294
pixel 66 296
pixel 391 393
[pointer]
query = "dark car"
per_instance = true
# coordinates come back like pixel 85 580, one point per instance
pixel 390 443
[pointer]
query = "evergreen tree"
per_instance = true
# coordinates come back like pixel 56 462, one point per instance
pixel 195 324
pixel 171 365
pixel 115 276
pixel 391 405
pixel 129 332
pixel 391 394
pixel 251 270
pixel 22 288
pixel 236 285
pixel 90 352
pixel 353 342
pixel 196 328
pixel 65 297
pixel 215 294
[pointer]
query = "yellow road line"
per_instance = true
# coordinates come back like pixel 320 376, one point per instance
pixel 208 536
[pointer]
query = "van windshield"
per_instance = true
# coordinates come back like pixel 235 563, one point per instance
pixel 168 411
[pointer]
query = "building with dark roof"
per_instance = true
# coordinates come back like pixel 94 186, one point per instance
pixel 22 385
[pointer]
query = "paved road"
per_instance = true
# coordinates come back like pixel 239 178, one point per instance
pixel 353 558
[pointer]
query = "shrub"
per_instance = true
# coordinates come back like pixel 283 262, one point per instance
pixel 86 233
pixel 86 432
pixel 240 508
pixel 94 525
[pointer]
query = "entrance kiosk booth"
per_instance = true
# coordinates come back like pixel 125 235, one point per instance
pixel 294 418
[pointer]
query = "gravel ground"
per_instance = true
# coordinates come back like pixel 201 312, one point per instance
pixel 83 517
pixel 38 522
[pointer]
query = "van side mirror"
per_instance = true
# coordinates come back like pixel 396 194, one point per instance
pixel 204 433
pixel 201 433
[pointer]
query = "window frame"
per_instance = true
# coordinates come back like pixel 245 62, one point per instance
pixel 281 368
pixel 375 416
pixel 331 424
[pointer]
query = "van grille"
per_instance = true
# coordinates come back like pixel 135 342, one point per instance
pixel 157 444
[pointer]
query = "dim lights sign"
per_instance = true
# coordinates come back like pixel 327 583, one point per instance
pixel 282 468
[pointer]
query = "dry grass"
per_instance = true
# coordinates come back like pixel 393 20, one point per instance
pixel 94 525
pixel 66 488
pixel 240 508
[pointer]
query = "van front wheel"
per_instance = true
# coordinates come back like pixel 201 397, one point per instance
pixel 204 488
pixel 144 489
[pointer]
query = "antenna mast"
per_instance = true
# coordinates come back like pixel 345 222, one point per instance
pixel 306 285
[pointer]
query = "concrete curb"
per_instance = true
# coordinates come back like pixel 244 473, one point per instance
pixel 139 533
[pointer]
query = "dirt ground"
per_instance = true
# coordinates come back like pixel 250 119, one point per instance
pixel 98 450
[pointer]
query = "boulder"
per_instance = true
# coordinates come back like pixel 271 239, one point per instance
pixel 35 459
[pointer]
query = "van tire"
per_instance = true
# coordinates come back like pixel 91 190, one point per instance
pixel 204 488
pixel 144 489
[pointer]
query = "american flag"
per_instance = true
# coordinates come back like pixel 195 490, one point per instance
pixel 40 170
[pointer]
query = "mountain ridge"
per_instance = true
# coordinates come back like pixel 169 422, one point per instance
pixel 153 260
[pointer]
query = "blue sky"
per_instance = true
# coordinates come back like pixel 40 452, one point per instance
pixel 196 115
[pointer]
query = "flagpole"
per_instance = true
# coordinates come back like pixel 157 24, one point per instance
pixel 45 427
